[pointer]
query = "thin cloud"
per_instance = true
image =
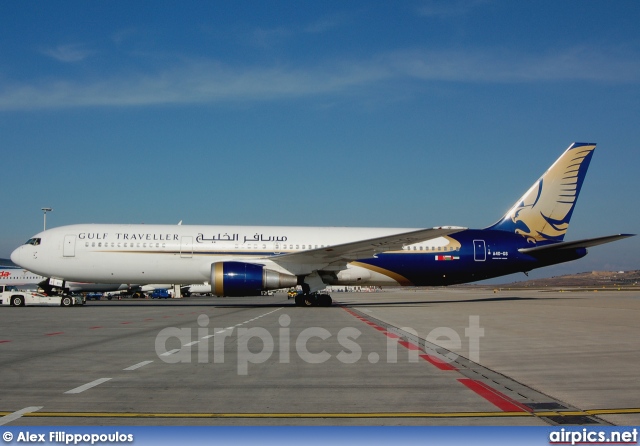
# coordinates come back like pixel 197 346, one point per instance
pixel 213 82
pixel 123 35
pixel 579 63
pixel 197 83
pixel 68 53
pixel 267 37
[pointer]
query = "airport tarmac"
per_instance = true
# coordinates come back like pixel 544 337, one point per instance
pixel 445 356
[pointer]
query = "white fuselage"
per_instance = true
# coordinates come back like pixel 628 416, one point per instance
pixel 176 253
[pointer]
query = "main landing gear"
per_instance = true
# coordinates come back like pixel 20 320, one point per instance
pixel 313 300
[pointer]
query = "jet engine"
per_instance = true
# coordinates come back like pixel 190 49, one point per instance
pixel 246 279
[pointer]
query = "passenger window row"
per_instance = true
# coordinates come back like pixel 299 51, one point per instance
pixel 124 245
pixel 277 246
pixel 430 248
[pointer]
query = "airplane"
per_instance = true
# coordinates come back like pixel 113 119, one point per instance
pixel 12 274
pixel 247 260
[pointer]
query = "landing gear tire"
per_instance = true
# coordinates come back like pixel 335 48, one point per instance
pixel 324 300
pixel 313 300
pixel 305 300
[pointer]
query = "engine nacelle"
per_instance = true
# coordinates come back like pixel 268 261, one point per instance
pixel 353 275
pixel 246 279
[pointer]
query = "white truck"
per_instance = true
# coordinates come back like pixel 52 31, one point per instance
pixel 10 295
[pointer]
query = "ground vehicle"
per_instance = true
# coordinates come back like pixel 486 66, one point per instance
pixel 96 296
pixel 161 293
pixel 292 293
pixel 10 295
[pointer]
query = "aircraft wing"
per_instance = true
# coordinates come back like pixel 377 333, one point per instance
pixel 364 248
pixel 585 243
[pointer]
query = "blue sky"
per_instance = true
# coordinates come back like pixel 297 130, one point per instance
pixel 360 113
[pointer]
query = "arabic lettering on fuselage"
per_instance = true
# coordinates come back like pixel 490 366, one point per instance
pixel 200 238
pixel 236 237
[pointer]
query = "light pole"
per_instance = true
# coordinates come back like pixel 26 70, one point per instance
pixel 45 210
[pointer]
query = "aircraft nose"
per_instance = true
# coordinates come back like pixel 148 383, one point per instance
pixel 15 255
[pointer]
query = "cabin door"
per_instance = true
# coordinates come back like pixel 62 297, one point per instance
pixel 479 251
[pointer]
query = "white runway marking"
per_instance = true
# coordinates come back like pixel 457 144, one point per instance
pixel 15 415
pixel 170 352
pixel 138 365
pixel 84 387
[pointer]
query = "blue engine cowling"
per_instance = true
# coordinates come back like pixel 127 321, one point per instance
pixel 246 279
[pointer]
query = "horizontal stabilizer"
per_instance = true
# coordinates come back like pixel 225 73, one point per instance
pixel 586 243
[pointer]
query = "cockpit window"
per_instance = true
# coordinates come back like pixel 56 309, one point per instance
pixel 33 241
